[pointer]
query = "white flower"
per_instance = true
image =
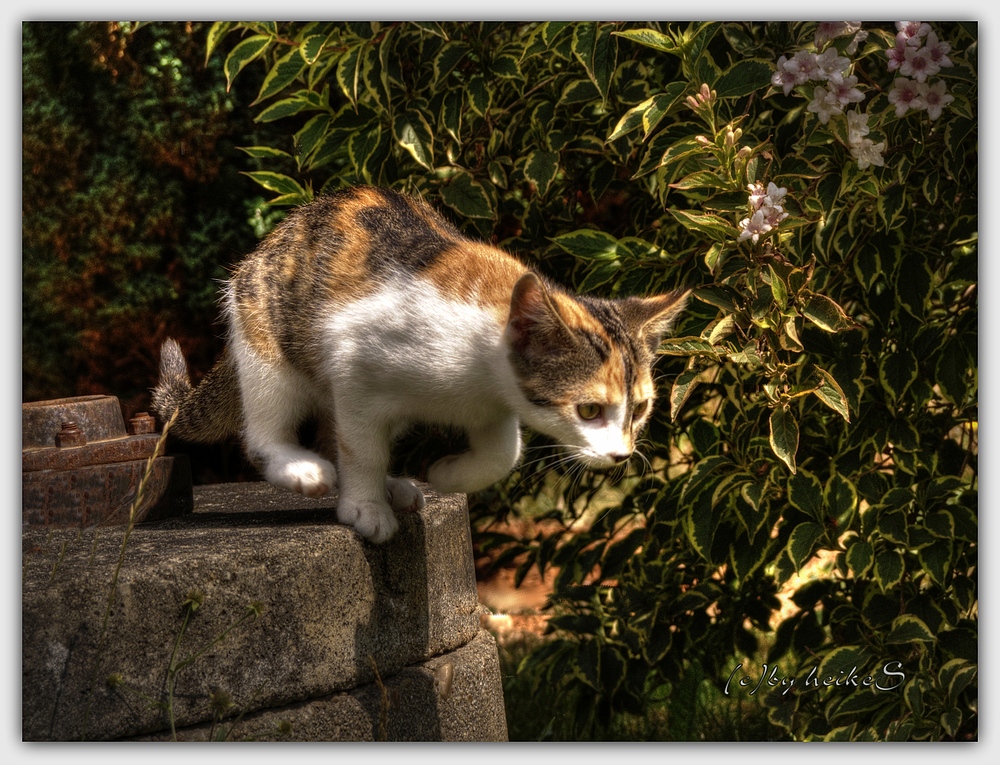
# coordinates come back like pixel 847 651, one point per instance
pixel 915 31
pixel 935 97
pixel 859 38
pixel 939 50
pixel 824 104
pixel 754 227
pixel 783 78
pixel 867 152
pixel 919 64
pixel 757 195
pixel 832 65
pixel 775 196
pixel 897 54
pixel 803 66
pixel 857 126
pixel 905 95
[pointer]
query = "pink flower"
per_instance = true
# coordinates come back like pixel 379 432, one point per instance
pixel 939 50
pixel 918 63
pixel 827 30
pixel 846 92
pixel 783 78
pixel 897 54
pixel 935 97
pixel 914 31
pixel 905 95
pixel 757 195
pixel 754 227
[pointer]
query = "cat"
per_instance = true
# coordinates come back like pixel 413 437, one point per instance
pixel 367 309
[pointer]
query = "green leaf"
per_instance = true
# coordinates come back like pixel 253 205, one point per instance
pixel 661 105
pixel 784 436
pixel 413 133
pixel 802 541
pixel 908 628
pixel 541 168
pixel 216 32
pixel 831 394
pixel 825 313
pixel 743 78
pixel 651 39
pixel 480 95
pixel 705 223
pixel 282 74
pixel 276 182
pixel 897 371
pixel 596 49
pixel 631 120
pixel 686 346
pixel 589 244
pixel 936 560
pixel 578 92
pixel 838 663
pixel 841 498
pixel 265 152
pixel 506 66
pixel 450 56
pixel 860 557
pixel 700 474
pixel 348 73
pixel 889 568
pixel 805 493
pixel 681 390
pixel 890 205
pixel 311 135
pixel 311 48
pixel 362 145
pixel 286 107
pixel 467 197
pixel 242 54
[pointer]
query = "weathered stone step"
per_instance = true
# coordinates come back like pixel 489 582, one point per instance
pixel 334 610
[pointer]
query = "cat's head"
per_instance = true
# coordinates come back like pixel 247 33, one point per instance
pixel 584 365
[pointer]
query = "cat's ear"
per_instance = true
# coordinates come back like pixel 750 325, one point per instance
pixel 650 319
pixel 534 324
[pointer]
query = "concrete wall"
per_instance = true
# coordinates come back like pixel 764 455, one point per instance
pixel 354 641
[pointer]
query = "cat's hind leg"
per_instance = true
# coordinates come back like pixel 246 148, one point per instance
pixel 276 400
pixel 495 450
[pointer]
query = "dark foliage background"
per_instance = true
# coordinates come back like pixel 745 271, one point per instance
pixel 817 433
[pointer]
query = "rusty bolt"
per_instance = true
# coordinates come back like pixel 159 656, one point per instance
pixel 141 424
pixel 70 435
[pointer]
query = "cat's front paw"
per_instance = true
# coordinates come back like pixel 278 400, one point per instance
pixel 371 519
pixel 311 477
pixel 403 495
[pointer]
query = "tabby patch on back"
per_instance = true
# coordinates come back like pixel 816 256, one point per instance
pixel 369 311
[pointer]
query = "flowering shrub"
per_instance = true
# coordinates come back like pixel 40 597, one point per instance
pixel 817 187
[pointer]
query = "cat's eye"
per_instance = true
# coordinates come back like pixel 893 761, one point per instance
pixel 639 409
pixel 589 411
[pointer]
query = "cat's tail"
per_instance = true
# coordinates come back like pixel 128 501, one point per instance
pixel 209 413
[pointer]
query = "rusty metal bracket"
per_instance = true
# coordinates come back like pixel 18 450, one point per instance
pixel 81 467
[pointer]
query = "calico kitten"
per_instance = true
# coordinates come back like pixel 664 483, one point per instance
pixel 370 311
